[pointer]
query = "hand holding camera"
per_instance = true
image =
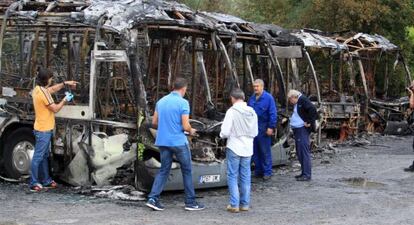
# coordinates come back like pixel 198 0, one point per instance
pixel 68 96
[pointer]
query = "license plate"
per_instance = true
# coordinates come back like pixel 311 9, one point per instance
pixel 209 179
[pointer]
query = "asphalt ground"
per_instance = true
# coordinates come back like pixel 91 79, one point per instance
pixel 357 185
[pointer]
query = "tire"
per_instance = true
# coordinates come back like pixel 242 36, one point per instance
pixel 18 152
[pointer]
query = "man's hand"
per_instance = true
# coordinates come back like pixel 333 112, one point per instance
pixel 411 91
pixel 193 132
pixel 307 125
pixel 269 132
pixel 71 83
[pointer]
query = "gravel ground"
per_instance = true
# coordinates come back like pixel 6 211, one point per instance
pixel 358 185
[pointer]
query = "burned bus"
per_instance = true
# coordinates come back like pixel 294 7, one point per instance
pixel 347 67
pixel 125 54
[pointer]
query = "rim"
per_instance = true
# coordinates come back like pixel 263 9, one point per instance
pixel 22 156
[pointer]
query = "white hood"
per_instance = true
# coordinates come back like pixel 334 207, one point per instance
pixel 244 120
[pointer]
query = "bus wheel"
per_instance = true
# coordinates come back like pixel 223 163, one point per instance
pixel 18 152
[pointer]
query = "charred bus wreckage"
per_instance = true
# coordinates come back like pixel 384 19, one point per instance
pixel 126 54
pixel 347 66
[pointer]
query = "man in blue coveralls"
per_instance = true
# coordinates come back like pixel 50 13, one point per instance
pixel 303 123
pixel 264 105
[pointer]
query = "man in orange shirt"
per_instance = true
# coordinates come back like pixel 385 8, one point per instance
pixel 45 109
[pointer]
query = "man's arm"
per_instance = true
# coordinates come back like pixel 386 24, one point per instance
pixel 272 114
pixel 185 118
pixel 411 98
pixel 226 125
pixel 155 120
pixel 311 112
pixel 256 127
pixel 57 87
pixel 186 124
pixel 57 107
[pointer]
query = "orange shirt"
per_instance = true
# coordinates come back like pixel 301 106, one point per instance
pixel 44 117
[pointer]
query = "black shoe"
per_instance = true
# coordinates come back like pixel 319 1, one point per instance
pixel 303 178
pixel 409 169
pixel 155 205
pixel 266 178
pixel 297 176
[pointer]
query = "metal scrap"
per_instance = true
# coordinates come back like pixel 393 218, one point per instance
pixel 118 192
pixel 312 38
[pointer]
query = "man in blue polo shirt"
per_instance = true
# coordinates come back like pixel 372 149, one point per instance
pixel 264 105
pixel 171 118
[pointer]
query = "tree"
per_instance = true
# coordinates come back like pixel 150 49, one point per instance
pixel 264 11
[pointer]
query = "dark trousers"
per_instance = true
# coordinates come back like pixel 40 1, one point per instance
pixel 262 156
pixel 303 150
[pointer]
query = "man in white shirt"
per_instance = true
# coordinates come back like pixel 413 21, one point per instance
pixel 240 128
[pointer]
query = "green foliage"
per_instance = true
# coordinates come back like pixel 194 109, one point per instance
pixel 334 15
pixel 141 149
pixel 410 31
pixel 264 11
pixel 209 5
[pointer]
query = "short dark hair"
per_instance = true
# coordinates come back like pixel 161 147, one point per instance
pixel 238 94
pixel 43 76
pixel 180 83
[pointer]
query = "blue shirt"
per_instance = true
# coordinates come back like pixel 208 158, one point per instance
pixel 170 131
pixel 296 121
pixel 266 111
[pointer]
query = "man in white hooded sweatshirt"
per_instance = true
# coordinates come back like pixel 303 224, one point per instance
pixel 240 128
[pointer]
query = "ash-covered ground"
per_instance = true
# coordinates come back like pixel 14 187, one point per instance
pixel 354 185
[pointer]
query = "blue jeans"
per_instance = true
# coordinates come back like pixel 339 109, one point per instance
pixel 238 179
pixel 183 155
pixel 262 155
pixel 303 150
pixel 40 161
